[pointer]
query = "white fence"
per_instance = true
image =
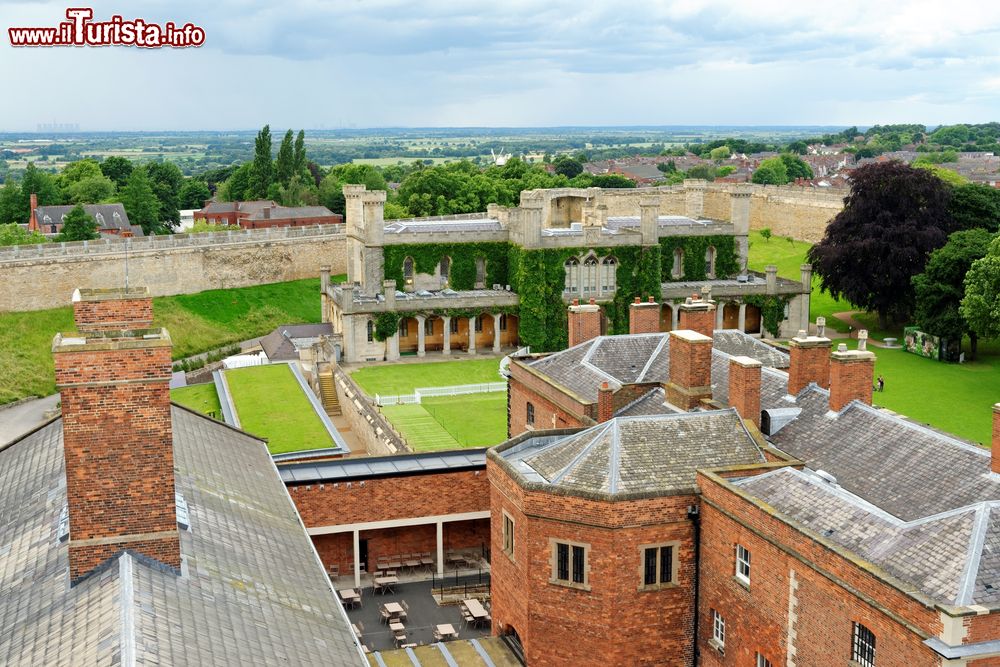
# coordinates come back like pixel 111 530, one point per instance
pixel 245 360
pixel 423 392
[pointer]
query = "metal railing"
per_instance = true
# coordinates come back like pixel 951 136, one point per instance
pixel 454 390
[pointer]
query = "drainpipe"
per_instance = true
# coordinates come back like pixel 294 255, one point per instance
pixel 694 515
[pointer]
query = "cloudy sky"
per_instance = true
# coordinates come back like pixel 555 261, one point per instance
pixel 377 63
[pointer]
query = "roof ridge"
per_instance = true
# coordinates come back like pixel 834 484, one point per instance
pixel 613 467
pixel 586 449
pixel 967 582
pixel 652 358
pixel 127 587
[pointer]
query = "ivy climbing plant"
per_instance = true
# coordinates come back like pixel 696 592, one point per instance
pixel 726 261
pixel 772 310
pixel 462 275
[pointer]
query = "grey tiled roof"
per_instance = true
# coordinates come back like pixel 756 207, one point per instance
pixel 251 590
pixel 636 456
pixel 427 226
pixel 279 345
pixel 112 216
pixel 288 212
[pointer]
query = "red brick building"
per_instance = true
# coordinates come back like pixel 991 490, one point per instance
pixel 257 214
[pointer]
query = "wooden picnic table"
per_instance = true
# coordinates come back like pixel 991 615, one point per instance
pixel 446 630
pixel 396 626
pixel 394 608
pixel 349 595
pixel 475 608
pixel 386 583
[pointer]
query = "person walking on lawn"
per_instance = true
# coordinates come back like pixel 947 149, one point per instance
pixel 881 383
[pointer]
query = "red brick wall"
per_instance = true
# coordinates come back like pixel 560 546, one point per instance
pixel 851 379
pixel 334 219
pixel 113 314
pixel 614 623
pixel 605 403
pixel 808 363
pixel 118 450
pixel 757 617
pixel 391 498
pixel 644 317
pixel 744 389
pixel 698 319
pixel 553 408
pixel 584 323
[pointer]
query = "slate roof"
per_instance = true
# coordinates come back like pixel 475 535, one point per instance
pixel 279 345
pixel 444 225
pixel 112 216
pixel 632 457
pixel 251 590
pixel 250 206
pixel 289 212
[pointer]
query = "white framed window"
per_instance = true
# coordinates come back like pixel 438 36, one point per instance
pixel 743 563
pixel 445 268
pixel 508 535
pixel 718 630
pixel 590 275
pixel 762 661
pixel 659 565
pixel 569 564
pixel 480 272
pixel 609 270
pixel 863 646
pixel 572 268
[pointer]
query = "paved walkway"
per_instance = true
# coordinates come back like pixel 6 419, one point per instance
pixel 18 420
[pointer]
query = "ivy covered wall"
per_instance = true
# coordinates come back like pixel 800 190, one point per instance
pixel 726 260
pixel 426 257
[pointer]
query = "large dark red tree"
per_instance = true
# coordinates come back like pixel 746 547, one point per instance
pixel 892 220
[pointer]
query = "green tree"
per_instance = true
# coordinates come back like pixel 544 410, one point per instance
pixel 166 180
pixel 975 205
pixel 78 226
pixel 771 171
pixel 141 204
pixel 77 171
pixel 938 291
pixel 261 171
pixel 284 165
pixel 766 234
pixel 952 178
pixel 10 203
pixel 238 186
pixel 567 166
pixel 299 163
pixel 705 171
pixel 795 167
pixel 720 153
pixel 725 170
pixel 331 193
pixel 296 193
pixel 798 147
pixel 894 217
pixel 14 234
pixel 611 181
pixel 91 190
pixel 117 169
pixel 981 304
pixel 193 194
pixel 37 182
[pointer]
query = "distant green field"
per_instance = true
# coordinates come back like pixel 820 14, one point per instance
pixel 403 378
pixel 200 397
pixel 789 257
pixel 270 404
pixel 389 161
pixel 451 422
pixel 197 323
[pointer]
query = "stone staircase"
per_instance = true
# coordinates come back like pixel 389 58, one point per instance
pixel 328 393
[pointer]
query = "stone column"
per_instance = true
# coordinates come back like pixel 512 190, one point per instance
pixel 496 333
pixel 392 347
pixel 739 215
pixel 472 335
pixel 446 319
pixel 675 315
pixel 357 561
pixel 324 284
pixel 420 335
pixel 719 310
pixel 804 316
pixel 742 322
pixel 771 276
pixel 440 548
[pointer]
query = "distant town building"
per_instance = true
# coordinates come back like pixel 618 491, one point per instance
pixel 110 218
pixel 260 213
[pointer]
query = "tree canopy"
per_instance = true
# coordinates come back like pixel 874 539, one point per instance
pixel 975 205
pixel 261 171
pixel 893 218
pixel 141 204
pixel 981 304
pixel 78 226
pixel 117 169
pixel 14 234
pixel 166 180
pixel 567 166
pixel 771 171
pixel 938 291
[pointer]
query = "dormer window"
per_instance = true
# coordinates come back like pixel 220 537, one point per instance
pixel 100 219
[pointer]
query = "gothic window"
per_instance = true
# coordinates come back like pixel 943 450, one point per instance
pixel 609 268
pixel 480 271
pixel 503 323
pixel 678 269
pixel 408 270
pixel 445 268
pixel 572 267
pixel 590 275
pixel 710 262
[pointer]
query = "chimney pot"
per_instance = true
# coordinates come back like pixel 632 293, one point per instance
pixel 809 361
pixel 637 299
pixel 651 300
pixel 851 373
pixel 842 347
pixel 863 339
pixel 744 388
pixel 690 369
pixel 821 326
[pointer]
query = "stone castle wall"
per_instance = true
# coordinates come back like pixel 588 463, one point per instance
pixel 35 278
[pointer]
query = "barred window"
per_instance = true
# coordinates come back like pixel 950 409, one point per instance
pixel 710 262
pixel 569 564
pixel 371 331
pixel 863 646
pixel 572 268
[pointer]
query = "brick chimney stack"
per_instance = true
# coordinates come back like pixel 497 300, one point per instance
pixel 995 449
pixel 697 314
pixel 117 440
pixel 32 217
pixel 643 317
pixel 851 373
pixel 809 362
pixel 744 388
pixel 605 403
pixel 584 322
pixel 690 369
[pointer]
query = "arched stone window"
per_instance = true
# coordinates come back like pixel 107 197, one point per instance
pixel 408 270
pixel 678 269
pixel 480 272
pixel 371 331
pixel 572 267
pixel 609 270
pixel 710 262
pixel 590 275
pixel 445 268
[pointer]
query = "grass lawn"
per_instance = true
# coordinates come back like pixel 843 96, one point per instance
pixel 270 404
pixel 956 398
pixel 788 257
pixel 452 422
pixel 404 378
pixel 197 323
pixel 200 397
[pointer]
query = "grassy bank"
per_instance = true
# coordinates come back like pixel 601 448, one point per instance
pixel 197 323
